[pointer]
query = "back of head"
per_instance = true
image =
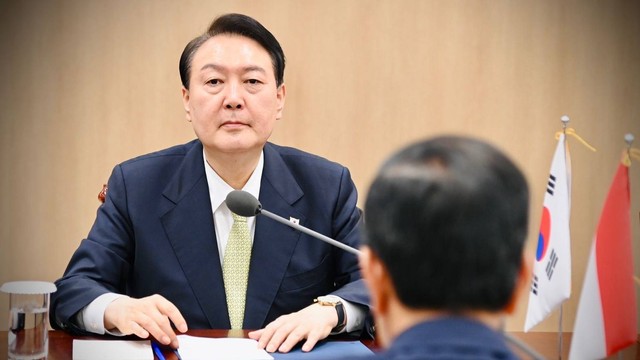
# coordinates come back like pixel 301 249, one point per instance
pixel 448 217
pixel 241 25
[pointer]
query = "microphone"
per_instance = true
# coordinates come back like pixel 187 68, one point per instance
pixel 245 204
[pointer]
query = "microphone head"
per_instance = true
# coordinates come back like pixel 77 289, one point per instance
pixel 243 203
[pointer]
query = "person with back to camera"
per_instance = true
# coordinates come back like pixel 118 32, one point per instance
pixel 445 227
pixel 154 261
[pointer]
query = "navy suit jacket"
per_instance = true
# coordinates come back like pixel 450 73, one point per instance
pixel 155 234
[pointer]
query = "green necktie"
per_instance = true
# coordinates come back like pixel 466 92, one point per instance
pixel 235 269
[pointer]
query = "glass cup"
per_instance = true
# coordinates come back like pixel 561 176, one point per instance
pixel 28 333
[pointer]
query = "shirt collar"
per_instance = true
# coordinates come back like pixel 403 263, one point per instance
pixel 219 189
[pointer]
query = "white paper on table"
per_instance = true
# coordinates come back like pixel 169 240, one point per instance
pixel 112 349
pixel 201 348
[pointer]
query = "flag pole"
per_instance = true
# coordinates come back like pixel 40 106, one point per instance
pixel 565 121
pixel 628 138
pixel 560 335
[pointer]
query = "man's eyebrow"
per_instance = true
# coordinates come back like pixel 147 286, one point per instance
pixel 211 66
pixel 254 68
pixel 222 68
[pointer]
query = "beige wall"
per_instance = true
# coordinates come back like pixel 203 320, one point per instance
pixel 88 84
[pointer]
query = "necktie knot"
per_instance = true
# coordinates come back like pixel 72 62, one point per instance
pixel 238 218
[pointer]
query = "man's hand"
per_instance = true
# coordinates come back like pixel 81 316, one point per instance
pixel 313 323
pixel 144 317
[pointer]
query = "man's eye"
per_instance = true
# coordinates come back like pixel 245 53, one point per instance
pixel 253 81
pixel 213 82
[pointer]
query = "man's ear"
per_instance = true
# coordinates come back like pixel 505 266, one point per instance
pixel 281 94
pixel 186 104
pixel 523 283
pixel 377 279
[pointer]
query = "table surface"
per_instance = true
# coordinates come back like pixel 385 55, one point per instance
pixel 61 343
pixel 545 343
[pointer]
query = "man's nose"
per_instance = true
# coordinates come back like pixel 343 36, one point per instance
pixel 233 100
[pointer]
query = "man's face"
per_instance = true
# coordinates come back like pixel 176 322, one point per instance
pixel 232 100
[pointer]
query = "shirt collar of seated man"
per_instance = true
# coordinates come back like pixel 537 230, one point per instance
pixel 446 223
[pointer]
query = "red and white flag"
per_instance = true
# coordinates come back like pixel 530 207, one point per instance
pixel 551 284
pixel 607 312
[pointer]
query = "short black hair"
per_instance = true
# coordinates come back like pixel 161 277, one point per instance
pixel 448 217
pixel 236 24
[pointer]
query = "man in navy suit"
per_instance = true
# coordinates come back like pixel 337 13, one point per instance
pixel 446 223
pixel 152 262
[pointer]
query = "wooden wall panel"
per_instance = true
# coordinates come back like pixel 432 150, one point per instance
pixel 88 84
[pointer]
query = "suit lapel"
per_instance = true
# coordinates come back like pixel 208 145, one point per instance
pixel 273 243
pixel 190 229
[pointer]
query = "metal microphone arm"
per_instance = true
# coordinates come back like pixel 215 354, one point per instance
pixel 310 232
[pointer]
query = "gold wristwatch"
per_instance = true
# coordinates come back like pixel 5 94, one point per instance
pixel 332 300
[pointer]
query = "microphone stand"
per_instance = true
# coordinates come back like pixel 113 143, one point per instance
pixel 310 232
